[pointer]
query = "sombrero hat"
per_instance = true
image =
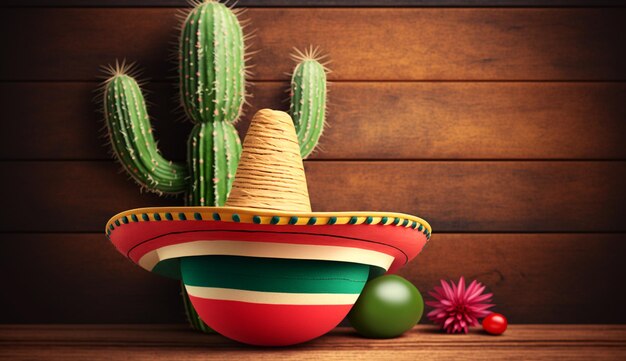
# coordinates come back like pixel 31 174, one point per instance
pixel 265 269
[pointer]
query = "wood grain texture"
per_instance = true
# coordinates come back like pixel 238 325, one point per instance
pixel 365 44
pixel 165 342
pixel 397 120
pixel 452 196
pixel 536 278
pixel 172 335
pixel 508 122
pixel 350 351
pixel 325 3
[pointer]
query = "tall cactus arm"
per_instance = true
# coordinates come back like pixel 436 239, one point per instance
pixel 308 100
pixel 131 137
pixel 211 64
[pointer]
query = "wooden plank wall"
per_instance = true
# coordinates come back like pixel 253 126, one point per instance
pixel 504 127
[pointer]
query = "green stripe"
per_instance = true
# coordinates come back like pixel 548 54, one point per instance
pixel 274 275
pixel 169 268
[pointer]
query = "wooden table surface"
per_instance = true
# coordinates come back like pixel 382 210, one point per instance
pixel 177 342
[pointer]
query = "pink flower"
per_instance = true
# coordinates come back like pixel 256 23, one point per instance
pixel 457 308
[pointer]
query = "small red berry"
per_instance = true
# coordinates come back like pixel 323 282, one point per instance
pixel 495 324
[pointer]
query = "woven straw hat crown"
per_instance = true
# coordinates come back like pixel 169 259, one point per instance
pixel 270 174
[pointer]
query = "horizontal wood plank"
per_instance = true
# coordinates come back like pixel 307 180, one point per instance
pixel 452 196
pixel 366 120
pixel 365 44
pixel 522 352
pixel 547 278
pixel 325 3
pixel 166 342
pixel 173 335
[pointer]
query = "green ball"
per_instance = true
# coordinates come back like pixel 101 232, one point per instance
pixel 388 306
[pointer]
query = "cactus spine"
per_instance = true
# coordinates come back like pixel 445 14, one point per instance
pixel 212 90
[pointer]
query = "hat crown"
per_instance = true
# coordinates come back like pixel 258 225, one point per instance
pixel 270 174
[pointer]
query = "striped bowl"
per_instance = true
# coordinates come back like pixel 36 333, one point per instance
pixel 266 277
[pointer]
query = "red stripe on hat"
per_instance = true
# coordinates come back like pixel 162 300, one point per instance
pixel 269 325
pixel 137 239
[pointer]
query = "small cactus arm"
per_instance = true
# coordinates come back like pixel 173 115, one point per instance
pixel 131 136
pixel 308 99
pixel 212 84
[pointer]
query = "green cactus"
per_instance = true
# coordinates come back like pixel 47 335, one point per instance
pixel 212 91
pixel 132 140
pixel 308 99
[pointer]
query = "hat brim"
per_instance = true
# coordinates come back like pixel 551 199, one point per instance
pixel 156 238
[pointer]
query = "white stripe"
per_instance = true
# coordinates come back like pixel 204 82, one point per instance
pixel 274 298
pixel 267 250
